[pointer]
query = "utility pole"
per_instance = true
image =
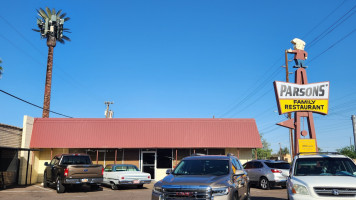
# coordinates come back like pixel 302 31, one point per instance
pixel 353 117
pixel 289 114
pixel 107 103
pixel 280 151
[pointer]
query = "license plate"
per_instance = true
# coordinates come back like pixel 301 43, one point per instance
pixel 84 180
pixel 136 181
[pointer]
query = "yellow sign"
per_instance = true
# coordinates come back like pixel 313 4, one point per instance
pixel 307 145
pixel 313 97
pixel 316 105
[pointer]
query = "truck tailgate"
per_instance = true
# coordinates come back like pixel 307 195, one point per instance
pixel 85 171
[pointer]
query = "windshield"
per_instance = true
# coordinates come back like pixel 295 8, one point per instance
pixel 324 167
pixel 278 165
pixel 74 160
pixel 126 168
pixel 202 167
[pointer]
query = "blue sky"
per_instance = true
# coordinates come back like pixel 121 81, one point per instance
pixel 180 59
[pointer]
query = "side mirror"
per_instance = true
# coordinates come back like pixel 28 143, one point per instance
pixel 169 171
pixel 239 172
pixel 46 163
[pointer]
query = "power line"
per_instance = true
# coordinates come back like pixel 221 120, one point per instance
pixel 328 31
pixel 346 36
pixel 323 19
pixel 18 98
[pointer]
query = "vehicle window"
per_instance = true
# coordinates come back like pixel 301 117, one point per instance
pixel 108 168
pixel 278 165
pixel 52 161
pixel 202 167
pixel 257 165
pixel 248 165
pixel 324 166
pixel 56 161
pixel 126 168
pixel 73 160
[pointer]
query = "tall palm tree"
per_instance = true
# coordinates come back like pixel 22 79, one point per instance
pixel 50 26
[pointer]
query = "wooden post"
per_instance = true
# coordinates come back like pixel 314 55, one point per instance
pixel 97 156
pixel 51 154
pixel 176 156
pixel 115 156
pixel 238 153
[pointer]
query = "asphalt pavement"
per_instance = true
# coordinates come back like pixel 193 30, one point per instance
pixel 37 192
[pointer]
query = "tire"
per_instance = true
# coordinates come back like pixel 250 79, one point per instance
pixel 94 187
pixel 140 186
pixel 45 183
pixel 59 186
pixel 113 186
pixel 236 196
pixel 264 183
pixel 284 187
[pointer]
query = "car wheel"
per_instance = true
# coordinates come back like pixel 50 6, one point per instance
pixel 140 186
pixel 264 183
pixel 45 183
pixel 59 186
pixel 113 186
pixel 284 187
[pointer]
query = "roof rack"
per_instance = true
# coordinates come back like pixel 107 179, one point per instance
pixel 332 153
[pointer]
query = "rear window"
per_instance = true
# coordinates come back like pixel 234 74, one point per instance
pixel 278 165
pixel 76 160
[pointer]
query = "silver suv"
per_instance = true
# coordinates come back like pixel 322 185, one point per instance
pixel 322 176
pixel 267 173
pixel 204 177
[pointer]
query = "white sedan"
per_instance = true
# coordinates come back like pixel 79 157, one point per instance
pixel 121 174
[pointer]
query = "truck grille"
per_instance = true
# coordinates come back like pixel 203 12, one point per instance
pixel 186 192
pixel 336 192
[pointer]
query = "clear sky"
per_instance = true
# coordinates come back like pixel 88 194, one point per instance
pixel 180 59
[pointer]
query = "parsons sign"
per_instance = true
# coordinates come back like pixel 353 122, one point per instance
pixel 291 97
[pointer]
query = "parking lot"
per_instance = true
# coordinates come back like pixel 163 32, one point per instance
pixel 35 192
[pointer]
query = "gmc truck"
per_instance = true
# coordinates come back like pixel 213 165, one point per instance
pixel 72 169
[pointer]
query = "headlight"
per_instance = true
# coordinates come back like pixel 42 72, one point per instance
pixel 157 189
pixel 300 189
pixel 221 191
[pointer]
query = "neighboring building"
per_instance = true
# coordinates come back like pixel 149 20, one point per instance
pixel 153 145
pixel 10 142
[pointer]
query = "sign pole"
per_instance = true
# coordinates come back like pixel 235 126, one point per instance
pixel 291 148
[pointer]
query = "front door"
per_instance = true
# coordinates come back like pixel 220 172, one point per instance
pixel 149 162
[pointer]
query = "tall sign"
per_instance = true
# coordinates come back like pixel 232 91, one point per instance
pixel 303 99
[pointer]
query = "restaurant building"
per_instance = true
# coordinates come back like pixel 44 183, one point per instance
pixel 153 145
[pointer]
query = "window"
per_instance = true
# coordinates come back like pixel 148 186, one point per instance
pixel 324 167
pixel 257 165
pixel 72 160
pixel 278 165
pixel 121 168
pixel 108 168
pixel 202 167
pixel 248 165
pixel 164 158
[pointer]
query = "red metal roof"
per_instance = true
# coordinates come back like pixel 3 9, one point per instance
pixel 144 133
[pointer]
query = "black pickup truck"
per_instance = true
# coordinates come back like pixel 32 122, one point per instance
pixel 72 169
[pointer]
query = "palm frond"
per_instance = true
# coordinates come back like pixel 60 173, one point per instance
pixel 66 19
pixel 53 11
pixel 66 38
pixel 67 31
pixel 58 13
pixel 60 41
pixel 63 15
pixel 43 14
pixel 36 30
pixel 49 14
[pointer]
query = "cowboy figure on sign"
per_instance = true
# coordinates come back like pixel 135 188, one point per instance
pixel 300 55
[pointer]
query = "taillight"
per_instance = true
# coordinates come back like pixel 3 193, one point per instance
pixel 102 171
pixel 149 177
pixel 66 171
pixel 122 177
pixel 276 171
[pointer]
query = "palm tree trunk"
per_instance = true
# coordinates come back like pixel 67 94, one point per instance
pixel 47 95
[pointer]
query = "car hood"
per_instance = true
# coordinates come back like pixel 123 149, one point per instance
pixel 325 181
pixel 193 180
